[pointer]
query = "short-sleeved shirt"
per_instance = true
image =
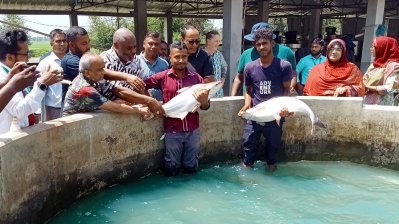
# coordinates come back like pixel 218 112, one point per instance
pixel 149 70
pixel 82 96
pixel 201 63
pixel 267 82
pixel 169 83
pixel 112 62
pixel 305 65
pixel 279 51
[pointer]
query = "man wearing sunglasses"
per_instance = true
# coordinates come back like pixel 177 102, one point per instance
pixel 199 61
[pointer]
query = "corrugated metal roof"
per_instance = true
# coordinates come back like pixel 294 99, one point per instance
pixel 191 8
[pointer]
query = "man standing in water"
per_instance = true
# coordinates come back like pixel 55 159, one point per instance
pixel 182 137
pixel 265 78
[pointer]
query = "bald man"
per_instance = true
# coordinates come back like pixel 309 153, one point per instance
pixel 122 58
pixel 122 55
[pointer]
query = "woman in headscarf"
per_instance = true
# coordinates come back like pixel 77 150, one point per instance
pixel 219 64
pixel 382 77
pixel 335 77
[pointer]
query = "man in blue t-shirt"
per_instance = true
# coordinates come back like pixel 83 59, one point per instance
pixel 264 78
pixel 252 54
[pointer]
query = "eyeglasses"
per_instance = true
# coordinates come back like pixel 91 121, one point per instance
pixel 336 49
pixel 192 42
pixel 23 54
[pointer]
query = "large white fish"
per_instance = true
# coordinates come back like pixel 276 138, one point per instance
pixel 185 102
pixel 269 111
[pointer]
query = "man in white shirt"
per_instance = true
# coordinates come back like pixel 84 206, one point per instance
pixel 53 98
pixel 13 49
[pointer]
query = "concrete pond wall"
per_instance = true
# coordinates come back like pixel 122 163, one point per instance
pixel 47 167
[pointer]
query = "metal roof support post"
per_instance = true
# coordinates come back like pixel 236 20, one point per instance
pixel 167 30
pixel 232 38
pixel 73 18
pixel 140 22
pixel 263 10
pixel 315 24
pixel 375 16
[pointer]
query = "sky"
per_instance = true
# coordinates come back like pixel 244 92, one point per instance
pixel 46 23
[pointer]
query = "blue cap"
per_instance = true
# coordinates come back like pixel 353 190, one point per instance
pixel 256 27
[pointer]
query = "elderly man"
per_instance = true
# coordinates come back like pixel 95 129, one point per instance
pixel 84 95
pixel 53 98
pixel 199 61
pixel 14 53
pixel 79 43
pixel 150 60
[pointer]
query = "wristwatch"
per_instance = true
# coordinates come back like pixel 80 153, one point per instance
pixel 42 86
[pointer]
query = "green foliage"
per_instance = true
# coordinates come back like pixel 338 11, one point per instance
pixel 332 22
pixel 15 20
pixel 39 48
pixel 101 31
pixel 203 26
pixel 279 24
pixel 155 24
pixel 102 28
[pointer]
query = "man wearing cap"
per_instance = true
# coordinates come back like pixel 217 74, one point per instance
pixel 252 54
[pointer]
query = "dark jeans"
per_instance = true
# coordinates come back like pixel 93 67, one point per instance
pixel 252 132
pixel 181 150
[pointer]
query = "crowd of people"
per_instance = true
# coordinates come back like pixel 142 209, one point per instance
pixel 72 79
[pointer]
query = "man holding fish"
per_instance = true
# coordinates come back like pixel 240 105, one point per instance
pixel 182 136
pixel 265 78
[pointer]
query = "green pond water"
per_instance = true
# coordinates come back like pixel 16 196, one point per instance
pixel 300 192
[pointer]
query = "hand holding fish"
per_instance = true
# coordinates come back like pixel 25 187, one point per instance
pixel 156 107
pixel 243 109
pixel 285 113
pixel 202 97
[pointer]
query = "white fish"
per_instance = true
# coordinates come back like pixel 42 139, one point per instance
pixel 269 111
pixel 185 102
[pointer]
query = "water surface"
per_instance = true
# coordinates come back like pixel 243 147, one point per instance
pixel 300 192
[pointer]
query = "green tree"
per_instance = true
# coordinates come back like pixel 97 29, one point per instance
pixel 332 22
pixel 101 31
pixel 102 28
pixel 12 22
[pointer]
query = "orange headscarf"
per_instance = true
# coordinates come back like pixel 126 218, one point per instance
pixel 326 77
pixel 386 50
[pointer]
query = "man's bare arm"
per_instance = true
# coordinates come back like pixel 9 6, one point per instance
pixel 134 97
pixel 125 109
pixel 237 84
pixel 287 88
pixel 133 80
